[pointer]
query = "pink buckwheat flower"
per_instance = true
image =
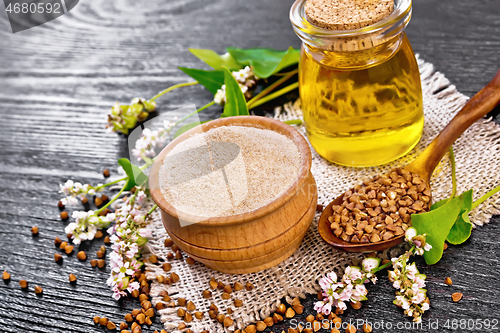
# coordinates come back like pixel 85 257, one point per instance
pixel 128 237
pixel 350 289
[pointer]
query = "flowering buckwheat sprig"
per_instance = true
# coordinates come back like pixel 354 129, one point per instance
pixel 73 190
pixel 123 118
pixel 128 236
pixel 405 277
pixel 246 80
pixel 350 289
pixel 86 225
pixel 150 141
pixel 411 296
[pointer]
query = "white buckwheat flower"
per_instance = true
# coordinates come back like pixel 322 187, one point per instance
pixel 350 289
pixel 85 225
pixel 151 141
pixel 73 190
pixel 245 76
pixel 411 296
pixel 246 80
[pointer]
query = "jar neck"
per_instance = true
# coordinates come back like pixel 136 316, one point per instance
pixel 372 36
pixel 356 59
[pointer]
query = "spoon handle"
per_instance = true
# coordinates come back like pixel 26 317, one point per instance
pixel 476 108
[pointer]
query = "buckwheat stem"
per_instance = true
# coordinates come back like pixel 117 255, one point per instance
pixel 112 200
pixel 274 95
pixel 283 74
pixel 150 211
pixel 185 84
pixel 453 175
pixel 272 87
pixel 379 268
pixel 146 159
pixel 293 122
pixel 115 182
pixel 195 112
pixel 146 165
pixel 486 196
pixel 132 198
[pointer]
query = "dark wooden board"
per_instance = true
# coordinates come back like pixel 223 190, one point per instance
pixel 57 82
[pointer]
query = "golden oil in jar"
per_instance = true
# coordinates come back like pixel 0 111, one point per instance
pixel 362 116
pixel 360 89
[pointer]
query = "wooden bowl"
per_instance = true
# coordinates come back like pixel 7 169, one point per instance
pixel 253 264
pixel 263 256
pixel 257 250
pixel 250 241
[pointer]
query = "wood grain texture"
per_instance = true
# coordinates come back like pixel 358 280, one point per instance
pixel 58 81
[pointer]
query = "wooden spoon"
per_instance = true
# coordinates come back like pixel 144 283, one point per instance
pixel 476 108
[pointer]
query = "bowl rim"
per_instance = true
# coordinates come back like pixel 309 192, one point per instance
pixel 250 121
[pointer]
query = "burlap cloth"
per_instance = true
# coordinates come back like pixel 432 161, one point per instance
pixel 477 167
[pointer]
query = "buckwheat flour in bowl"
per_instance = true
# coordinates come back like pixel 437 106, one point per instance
pixel 236 193
pixel 228 170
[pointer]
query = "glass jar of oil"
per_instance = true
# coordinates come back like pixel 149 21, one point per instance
pixel 360 89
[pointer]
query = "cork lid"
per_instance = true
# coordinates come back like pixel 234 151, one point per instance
pixel 347 14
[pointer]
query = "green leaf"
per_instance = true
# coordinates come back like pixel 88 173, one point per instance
pixel 212 80
pixel 236 104
pixel 462 228
pixel 147 160
pixel 187 127
pixel 216 61
pixel 135 175
pixel 436 224
pixel 265 62
pixel 439 204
